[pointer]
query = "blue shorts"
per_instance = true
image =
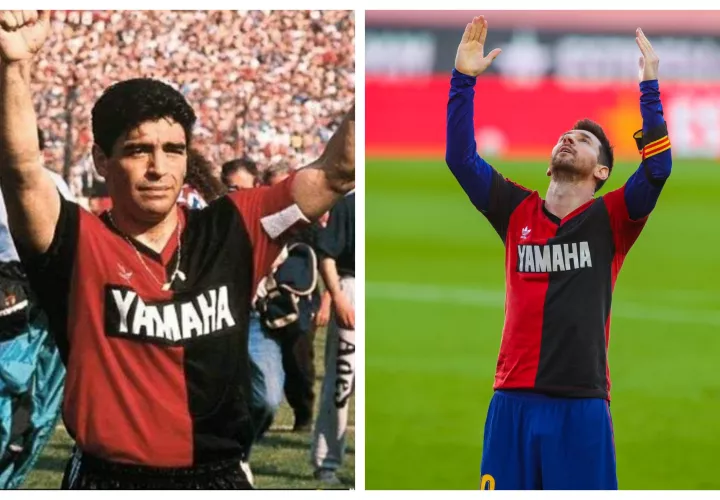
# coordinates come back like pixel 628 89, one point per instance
pixel 537 442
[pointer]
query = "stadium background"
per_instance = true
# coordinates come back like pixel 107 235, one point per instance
pixel 268 85
pixel 435 275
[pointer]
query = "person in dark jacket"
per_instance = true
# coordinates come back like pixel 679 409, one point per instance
pixel 336 248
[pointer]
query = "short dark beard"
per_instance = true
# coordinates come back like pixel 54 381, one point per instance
pixel 564 171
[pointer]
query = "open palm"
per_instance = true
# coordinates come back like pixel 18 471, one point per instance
pixel 22 33
pixel 649 61
pixel 470 59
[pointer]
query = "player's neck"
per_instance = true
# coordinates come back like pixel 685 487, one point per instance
pixel 154 235
pixel 564 197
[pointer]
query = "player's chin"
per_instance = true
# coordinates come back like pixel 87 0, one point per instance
pixel 156 207
pixel 563 165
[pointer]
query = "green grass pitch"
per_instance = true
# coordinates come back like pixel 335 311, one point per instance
pixel 435 295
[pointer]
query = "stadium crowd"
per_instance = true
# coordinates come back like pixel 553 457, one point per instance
pixel 266 85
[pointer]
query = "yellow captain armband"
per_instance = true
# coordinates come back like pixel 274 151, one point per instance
pixel 656 147
pixel 652 148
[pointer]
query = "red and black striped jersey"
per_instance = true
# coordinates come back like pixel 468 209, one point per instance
pixel 560 275
pixel 160 378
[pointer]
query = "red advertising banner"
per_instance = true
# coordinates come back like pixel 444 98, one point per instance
pixel 407 116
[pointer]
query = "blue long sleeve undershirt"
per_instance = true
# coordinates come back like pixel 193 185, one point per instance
pixel 475 175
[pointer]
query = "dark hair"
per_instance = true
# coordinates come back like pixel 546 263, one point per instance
pixel 200 176
pixel 605 157
pixel 232 166
pixel 275 169
pixel 41 139
pixel 125 105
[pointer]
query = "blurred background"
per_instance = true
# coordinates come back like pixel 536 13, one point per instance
pixel 435 268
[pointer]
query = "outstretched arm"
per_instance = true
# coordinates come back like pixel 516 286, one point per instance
pixel 491 194
pixel 643 188
pixel 472 172
pixel 33 201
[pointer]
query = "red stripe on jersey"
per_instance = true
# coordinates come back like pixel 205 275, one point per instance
pixel 255 205
pixel 625 231
pixel 519 357
pixel 127 376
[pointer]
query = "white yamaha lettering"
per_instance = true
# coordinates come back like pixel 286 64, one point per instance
pixel 206 314
pixel 169 328
pixel 123 305
pixel 553 258
pixel 542 259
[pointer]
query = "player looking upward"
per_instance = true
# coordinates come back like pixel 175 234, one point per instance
pixel 549 423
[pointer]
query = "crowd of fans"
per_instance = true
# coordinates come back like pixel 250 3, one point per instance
pixel 266 85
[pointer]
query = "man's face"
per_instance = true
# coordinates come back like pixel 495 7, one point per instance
pixel 575 157
pixel 146 170
pixel 240 179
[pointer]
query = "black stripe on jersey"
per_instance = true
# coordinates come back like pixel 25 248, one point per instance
pixel 573 325
pixel 505 196
pixel 50 274
pixel 217 369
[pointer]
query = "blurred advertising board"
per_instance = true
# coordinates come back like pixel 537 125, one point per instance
pixel 406 115
pixel 556 67
pixel 529 53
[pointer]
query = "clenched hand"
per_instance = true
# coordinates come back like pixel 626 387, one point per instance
pixel 22 33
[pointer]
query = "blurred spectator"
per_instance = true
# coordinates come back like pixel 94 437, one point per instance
pixel 276 173
pixel 201 177
pixel 266 85
pixel 241 173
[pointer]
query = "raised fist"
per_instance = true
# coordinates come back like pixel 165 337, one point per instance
pixel 22 33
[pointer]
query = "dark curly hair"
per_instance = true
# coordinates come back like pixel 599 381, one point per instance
pixel 606 156
pixel 125 105
pixel 200 176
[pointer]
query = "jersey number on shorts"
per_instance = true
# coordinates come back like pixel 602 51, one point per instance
pixel 487 482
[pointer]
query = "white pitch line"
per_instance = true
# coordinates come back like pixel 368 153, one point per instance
pixel 408 292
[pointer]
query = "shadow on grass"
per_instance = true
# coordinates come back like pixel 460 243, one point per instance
pixel 51 464
pixel 280 439
pixel 271 470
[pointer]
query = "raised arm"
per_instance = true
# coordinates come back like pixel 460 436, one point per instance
pixel 489 191
pixel 643 188
pixel 32 200
pixel 472 172
pixel 317 187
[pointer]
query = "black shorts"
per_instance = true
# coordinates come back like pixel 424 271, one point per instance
pixel 84 472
